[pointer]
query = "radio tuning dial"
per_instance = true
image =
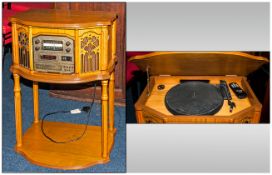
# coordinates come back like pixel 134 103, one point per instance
pixel 68 49
pixel 37 41
pixel 68 43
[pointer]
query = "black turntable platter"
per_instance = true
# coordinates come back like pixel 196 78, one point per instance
pixel 194 98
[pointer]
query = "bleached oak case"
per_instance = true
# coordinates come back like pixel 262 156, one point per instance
pixel 168 68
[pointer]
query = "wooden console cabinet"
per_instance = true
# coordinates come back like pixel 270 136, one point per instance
pixel 94 41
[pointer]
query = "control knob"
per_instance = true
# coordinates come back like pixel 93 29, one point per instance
pixel 37 41
pixel 68 49
pixel 37 48
pixel 68 43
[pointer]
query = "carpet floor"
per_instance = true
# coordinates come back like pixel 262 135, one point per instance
pixel 13 162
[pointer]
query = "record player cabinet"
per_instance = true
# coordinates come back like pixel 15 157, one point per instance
pixel 43 41
pixel 169 68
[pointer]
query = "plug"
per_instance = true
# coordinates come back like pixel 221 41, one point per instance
pixel 75 111
pixel 86 109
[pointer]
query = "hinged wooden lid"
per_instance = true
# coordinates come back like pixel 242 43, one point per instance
pixel 198 63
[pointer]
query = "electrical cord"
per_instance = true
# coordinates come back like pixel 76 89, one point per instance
pixel 86 109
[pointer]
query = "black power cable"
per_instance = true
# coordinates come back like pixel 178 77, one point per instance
pixel 86 109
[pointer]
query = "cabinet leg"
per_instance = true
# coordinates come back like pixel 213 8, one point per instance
pixel 36 101
pixel 18 110
pixel 104 99
pixel 111 102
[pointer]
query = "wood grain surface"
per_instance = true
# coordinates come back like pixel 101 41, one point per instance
pixel 75 155
pixel 59 79
pixel 199 63
pixel 55 18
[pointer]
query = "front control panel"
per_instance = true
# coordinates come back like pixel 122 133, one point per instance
pixel 53 54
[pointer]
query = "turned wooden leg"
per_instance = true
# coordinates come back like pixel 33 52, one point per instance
pixel 36 101
pixel 104 99
pixel 111 102
pixel 18 110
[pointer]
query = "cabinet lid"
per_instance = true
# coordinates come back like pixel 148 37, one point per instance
pixel 199 63
pixel 55 18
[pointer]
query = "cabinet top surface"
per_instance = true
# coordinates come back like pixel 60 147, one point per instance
pixel 64 18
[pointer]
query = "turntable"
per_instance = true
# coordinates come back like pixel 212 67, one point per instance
pixel 194 87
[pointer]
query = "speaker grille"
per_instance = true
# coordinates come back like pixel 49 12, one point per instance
pixel 23 48
pixel 89 52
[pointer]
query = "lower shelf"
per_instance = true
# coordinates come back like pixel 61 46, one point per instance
pixel 80 154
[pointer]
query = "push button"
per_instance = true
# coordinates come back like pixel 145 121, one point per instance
pixel 161 87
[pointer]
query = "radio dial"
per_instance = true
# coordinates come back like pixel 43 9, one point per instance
pixel 37 48
pixel 68 43
pixel 68 49
pixel 37 41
